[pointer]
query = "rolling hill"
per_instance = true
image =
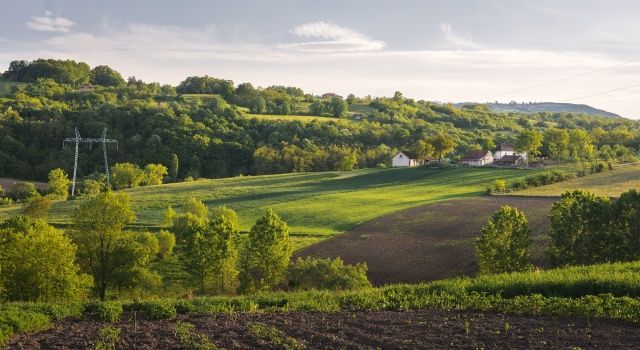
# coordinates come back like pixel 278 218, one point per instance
pixel 553 107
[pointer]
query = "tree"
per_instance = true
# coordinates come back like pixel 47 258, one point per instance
pixel 38 208
pixel 351 99
pixel 581 230
pixel 627 220
pixel 227 213
pixel 338 107
pixel 166 243
pixel 154 174
pixel 212 256
pixel 104 250
pixel 317 108
pixel 424 149
pixel 580 145
pixel 174 167
pixel 23 191
pixel 442 144
pixel 529 141
pixel 196 207
pixel 557 142
pixel 168 217
pixel 267 253
pixel 59 184
pixel 504 243
pixel 333 274
pixel 37 263
pixel 105 76
pixel 126 175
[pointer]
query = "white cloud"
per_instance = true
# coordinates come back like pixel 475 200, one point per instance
pixel 456 40
pixel 49 23
pixel 333 38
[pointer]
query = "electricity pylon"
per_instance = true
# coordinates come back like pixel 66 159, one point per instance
pixel 77 140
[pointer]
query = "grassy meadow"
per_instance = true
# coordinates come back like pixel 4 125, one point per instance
pixel 290 117
pixel 316 205
pixel 610 183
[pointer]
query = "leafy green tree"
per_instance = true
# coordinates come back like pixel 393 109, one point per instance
pixel 267 253
pixel 196 207
pixel 424 149
pixel 169 216
pixel 105 251
pixel 154 174
pixel 174 167
pixel 317 108
pixel 338 107
pixel 627 220
pixel 529 141
pixel 581 230
pixel 106 76
pixel 504 243
pixel 23 191
pixel 166 243
pixel 126 175
pixel 91 187
pixel 442 144
pixel 38 208
pixel 557 144
pixel 580 145
pixel 37 263
pixel 227 213
pixel 59 184
pixel 212 256
pixel 150 243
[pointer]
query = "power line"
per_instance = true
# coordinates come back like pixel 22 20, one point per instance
pixel 565 78
pixel 603 92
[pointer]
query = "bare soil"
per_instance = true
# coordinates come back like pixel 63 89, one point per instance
pixel 430 242
pixel 417 329
pixel 7 183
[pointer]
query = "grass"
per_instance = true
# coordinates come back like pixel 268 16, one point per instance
pixel 361 108
pixel 316 205
pixel 302 118
pixel 609 183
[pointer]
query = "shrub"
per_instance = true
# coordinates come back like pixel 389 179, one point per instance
pixel 504 243
pixel 315 273
pixel 23 191
pixel 38 208
pixel 5 201
pixel 154 309
pixel 108 338
pixel 166 243
pixel 91 187
pixel 107 311
pixel 14 320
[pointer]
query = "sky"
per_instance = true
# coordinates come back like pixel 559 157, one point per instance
pixel 578 51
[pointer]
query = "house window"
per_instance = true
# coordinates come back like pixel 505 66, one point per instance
pixel 401 156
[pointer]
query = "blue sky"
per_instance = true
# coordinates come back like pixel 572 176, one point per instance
pixel 445 51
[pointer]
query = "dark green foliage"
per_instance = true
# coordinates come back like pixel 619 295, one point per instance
pixel 206 85
pixel 504 243
pixel 333 274
pixel 582 231
pixel 23 191
pixel 107 311
pixel 106 76
pixel 61 71
pixel 154 309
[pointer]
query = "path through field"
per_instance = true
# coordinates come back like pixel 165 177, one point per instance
pixel 430 242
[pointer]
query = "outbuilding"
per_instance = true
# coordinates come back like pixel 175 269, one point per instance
pixel 477 158
pixel 408 159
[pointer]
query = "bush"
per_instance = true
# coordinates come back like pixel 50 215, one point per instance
pixel 504 243
pixel 107 311
pixel 166 243
pixel 5 201
pixel 23 191
pixel 154 309
pixel 316 273
pixel 15 320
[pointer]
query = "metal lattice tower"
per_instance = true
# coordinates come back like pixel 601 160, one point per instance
pixel 77 140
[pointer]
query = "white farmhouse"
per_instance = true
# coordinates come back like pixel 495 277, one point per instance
pixel 407 159
pixel 477 158
pixel 507 149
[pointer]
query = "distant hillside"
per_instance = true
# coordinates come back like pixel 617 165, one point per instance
pixel 549 107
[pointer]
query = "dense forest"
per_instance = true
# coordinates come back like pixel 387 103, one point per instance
pixel 206 128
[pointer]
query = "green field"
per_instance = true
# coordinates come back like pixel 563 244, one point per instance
pixel 361 108
pixel 316 205
pixel 610 183
pixel 303 118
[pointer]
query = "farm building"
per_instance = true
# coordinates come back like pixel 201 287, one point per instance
pixel 477 158
pixel 507 149
pixel 408 159
pixel 513 160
